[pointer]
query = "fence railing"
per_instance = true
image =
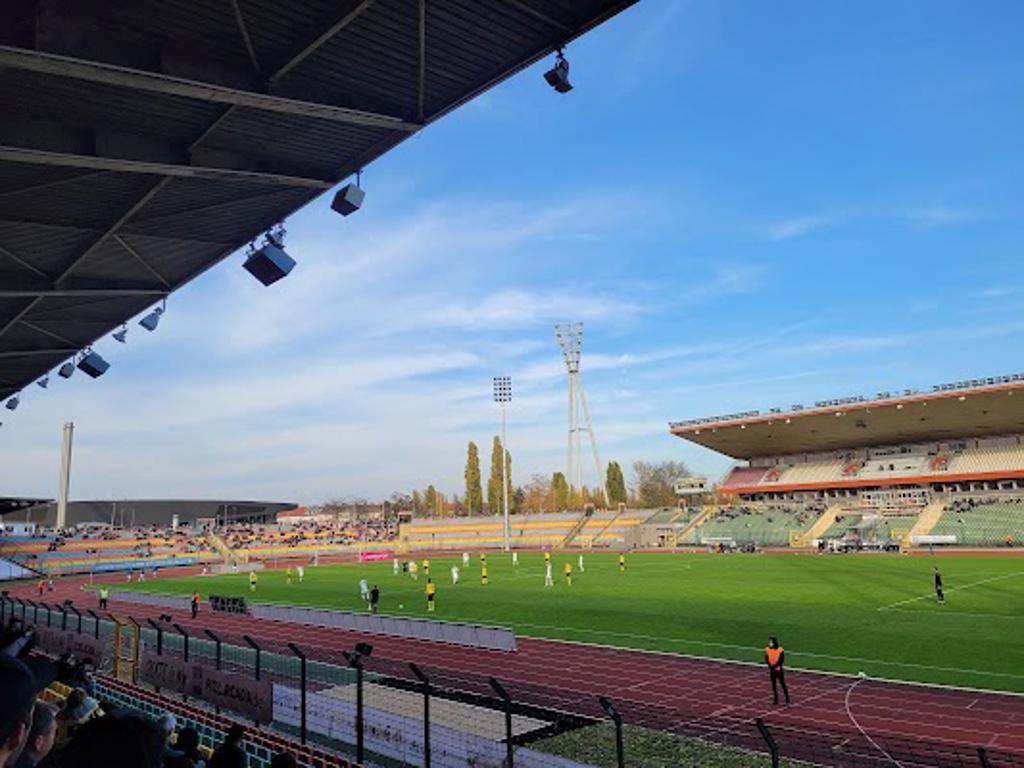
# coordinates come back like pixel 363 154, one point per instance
pixel 388 711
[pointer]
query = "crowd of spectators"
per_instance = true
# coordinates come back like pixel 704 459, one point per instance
pixel 83 732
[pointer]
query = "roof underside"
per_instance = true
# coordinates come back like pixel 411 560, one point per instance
pixel 143 142
pixel 939 417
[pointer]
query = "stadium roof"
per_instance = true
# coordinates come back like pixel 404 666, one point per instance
pixel 143 142
pixel 941 414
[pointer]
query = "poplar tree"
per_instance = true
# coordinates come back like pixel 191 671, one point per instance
pixel 473 501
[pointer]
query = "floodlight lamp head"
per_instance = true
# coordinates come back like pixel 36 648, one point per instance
pixel 503 389
pixel 66 370
pixel 12 404
pixel 92 364
pixel 150 321
pixel 349 198
pixel 44 382
pixel 121 334
pixel 558 76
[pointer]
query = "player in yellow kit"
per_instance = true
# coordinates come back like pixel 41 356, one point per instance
pixel 483 575
pixel 252 581
pixel 568 573
pixel 431 590
pixel 622 563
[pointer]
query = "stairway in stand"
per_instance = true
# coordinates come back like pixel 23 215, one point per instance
pixel 609 524
pixel 576 527
pixel 222 548
pixel 927 520
pixel 822 524
pixel 698 521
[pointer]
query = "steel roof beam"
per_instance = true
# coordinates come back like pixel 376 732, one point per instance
pixel 77 293
pixel 319 40
pixel 169 170
pixel 38 352
pixel 156 82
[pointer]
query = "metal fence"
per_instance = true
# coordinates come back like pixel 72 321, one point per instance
pixel 386 712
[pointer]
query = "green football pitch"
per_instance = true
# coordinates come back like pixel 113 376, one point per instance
pixel 843 613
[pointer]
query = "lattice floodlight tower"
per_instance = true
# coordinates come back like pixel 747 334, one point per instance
pixel 570 340
pixel 503 396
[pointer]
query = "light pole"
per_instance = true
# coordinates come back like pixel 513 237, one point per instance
pixel 503 396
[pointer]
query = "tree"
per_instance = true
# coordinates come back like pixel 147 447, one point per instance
pixel 559 492
pixel 538 496
pixel 417 503
pixel 495 502
pixel 615 485
pixel 474 496
pixel 655 482
pixel 518 502
pixel 430 501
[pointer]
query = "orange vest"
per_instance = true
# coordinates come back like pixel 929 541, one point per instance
pixel 774 654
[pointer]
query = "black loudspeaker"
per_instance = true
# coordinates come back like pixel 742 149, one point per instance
pixel 93 365
pixel 269 264
pixel 348 199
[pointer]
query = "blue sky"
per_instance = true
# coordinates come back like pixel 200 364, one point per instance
pixel 748 204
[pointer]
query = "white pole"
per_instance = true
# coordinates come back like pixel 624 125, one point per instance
pixel 504 480
pixel 569 477
pixel 578 458
pixel 65 475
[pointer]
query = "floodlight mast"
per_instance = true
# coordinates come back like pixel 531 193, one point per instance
pixel 503 396
pixel 570 341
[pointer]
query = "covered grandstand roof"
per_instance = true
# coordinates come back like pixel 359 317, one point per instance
pixel 133 512
pixel 143 142
pixel 980 410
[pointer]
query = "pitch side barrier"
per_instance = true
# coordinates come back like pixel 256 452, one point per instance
pixel 456 633
pixel 474 635
pixel 177 602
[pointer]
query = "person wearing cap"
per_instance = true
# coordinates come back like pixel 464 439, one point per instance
pixel 40 738
pixel 775 657
pixel 20 682
pixel 79 708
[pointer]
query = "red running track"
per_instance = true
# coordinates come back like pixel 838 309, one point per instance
pixel 672 692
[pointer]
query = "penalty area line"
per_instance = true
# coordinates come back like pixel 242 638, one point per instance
pixel 931 595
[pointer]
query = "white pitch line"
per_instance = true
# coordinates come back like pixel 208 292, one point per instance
pixel 952 589
pixel 849 713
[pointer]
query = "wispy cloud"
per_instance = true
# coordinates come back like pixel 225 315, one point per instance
pixel 727 280
pixel 994 292
pixel 939 215
pixel 787 229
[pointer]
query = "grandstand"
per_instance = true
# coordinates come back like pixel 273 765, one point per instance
pixel 943 466
pixel 601 529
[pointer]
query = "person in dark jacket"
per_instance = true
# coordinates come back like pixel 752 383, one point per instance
pixel 230 754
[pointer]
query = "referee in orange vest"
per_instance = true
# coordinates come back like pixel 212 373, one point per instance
pixel 775 657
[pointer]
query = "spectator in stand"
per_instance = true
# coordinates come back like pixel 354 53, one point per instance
pixel 20 683
pixel 79 708
pixel 185 753
pixel 230 753
pixel 283 760
pixel 130 740
pixel 168 722
pixel 40 738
